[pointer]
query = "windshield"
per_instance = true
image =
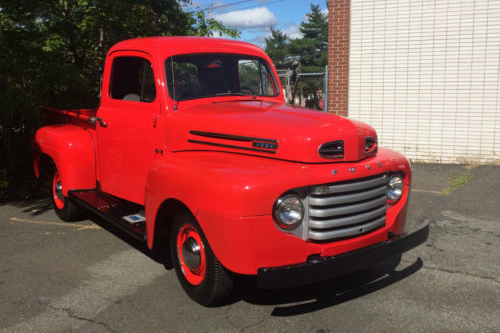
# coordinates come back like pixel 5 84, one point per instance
pixel 209 75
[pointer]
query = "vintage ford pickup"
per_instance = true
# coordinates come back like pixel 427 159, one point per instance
pixel 194 151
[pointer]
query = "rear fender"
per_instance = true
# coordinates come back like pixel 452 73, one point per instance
pixel 73 151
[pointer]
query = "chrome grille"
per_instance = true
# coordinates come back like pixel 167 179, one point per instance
pixel 347 209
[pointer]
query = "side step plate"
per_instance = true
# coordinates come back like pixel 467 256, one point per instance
pixel 125 215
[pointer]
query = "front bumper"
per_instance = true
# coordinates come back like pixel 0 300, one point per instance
pixel 345 263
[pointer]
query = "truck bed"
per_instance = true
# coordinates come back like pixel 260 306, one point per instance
pixel 80 117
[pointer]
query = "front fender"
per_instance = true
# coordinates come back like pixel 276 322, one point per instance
pixel 232 197
pixel 73 151
pixel 224 183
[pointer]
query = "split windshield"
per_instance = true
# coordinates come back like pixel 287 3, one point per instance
pixel 209 75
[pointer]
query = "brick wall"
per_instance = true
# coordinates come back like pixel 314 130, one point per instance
pixel 338 56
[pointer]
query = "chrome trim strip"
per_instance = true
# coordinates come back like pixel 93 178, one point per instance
pixel 349 209
pixel 347 198
pixel 346 232
pixel 354 186
pixel 340 222
pixel 230 137
pixel 231 146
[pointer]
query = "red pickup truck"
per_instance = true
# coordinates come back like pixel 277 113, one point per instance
pixel 194 151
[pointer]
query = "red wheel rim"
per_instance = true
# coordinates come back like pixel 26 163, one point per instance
pixel 57 191
pixel 188 236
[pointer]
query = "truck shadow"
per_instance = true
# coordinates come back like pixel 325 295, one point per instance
pixel 298 300
pixel 138 245
pixel 288 302
pixel 311 298
pixel 34 206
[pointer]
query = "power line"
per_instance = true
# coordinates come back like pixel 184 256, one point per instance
pixel 211 8
pixel 257 5
pixel 226 5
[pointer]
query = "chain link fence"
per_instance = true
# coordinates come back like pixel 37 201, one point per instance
pixel 305 89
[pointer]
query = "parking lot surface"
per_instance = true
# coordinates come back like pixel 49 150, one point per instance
pixel 87 277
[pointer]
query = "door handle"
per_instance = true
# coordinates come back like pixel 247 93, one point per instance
pixel 102 122
pixel 94 120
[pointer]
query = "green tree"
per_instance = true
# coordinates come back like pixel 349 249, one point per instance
pixel 53 51
pixel 312 47
pixel 277 48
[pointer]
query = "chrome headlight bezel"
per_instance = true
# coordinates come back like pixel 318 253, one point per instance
pixel 395 188
pixel 288 211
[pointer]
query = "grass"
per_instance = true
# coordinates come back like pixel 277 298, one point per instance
pixel 454 183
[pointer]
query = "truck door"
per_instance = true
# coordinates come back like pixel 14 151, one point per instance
pixel 125 133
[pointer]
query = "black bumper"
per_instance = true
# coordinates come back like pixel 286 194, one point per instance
pixel 345 263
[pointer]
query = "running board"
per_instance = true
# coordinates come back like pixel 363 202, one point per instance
pixel 125 215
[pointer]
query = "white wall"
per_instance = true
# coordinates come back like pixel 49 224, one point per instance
pixel 426 76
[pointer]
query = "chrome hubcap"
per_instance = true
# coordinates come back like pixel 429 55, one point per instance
pixel 191 254
pixel 58 189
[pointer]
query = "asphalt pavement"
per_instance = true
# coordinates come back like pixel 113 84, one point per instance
pixel 88 277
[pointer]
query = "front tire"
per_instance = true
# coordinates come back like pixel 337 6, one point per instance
pixel 198 270
pixel 63 206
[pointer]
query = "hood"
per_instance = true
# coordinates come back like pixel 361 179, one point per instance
pixel 268 129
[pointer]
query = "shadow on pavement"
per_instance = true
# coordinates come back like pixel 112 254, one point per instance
pixel 138 245
pixel 332 292
pixel 289 302
pixel 34 207
pixel 305 299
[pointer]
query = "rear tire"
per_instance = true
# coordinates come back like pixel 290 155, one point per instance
pixel 63 206
pixel 199 272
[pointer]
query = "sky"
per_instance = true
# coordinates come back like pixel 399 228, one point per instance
pixel 253 18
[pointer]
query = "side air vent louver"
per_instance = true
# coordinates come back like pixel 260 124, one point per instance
pixel 333 149
pixel 370 145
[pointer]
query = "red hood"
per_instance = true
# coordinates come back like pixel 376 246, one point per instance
pixel 265 129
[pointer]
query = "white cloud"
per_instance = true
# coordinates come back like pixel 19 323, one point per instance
pixel 259 40
pixel 248 18
pixel 293 31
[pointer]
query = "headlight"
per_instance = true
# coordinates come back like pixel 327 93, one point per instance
pixel 288 211
pixel 395 188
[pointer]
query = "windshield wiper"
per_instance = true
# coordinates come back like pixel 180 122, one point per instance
pixel 229 93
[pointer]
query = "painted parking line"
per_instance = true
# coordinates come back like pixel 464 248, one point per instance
pixel 112 279
pixel 59 224
pixel 426 191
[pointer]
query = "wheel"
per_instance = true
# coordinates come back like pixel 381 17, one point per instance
pixel 198 270
pixel 63 206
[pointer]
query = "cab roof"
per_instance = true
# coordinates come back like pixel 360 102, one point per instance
pixel 165 47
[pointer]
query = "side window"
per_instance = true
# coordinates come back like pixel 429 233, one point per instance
pixel 132 79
